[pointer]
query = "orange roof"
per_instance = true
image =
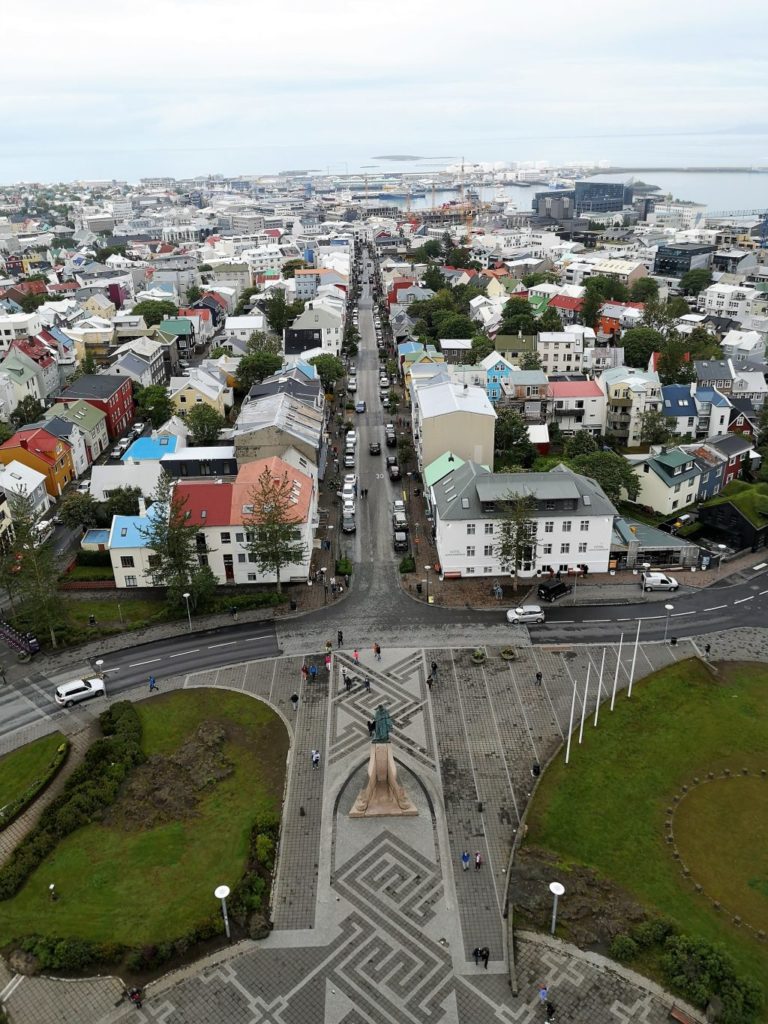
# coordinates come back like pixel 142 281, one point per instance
pixel 248 476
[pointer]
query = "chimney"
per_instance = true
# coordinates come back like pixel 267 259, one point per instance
pixel 142 507
pixel 23 442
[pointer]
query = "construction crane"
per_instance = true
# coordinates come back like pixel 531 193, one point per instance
pixel 728 215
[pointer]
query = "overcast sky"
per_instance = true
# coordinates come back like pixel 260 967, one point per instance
pixel 188 87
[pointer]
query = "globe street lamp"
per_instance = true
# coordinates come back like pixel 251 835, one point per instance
pixel 427 569
pixel 189 614
pixel 669 608
pixel 722 549
pixel 557 889
pixel 221 892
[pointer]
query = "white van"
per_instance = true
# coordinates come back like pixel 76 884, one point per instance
pixel 658 581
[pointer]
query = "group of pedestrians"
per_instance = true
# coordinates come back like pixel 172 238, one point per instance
pixel 465 860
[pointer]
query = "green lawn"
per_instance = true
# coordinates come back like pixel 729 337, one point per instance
pixel 20 768
pixel 148 887
pixel 608 807
pixel 110 612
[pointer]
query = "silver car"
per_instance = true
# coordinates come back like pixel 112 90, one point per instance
pixel 526 613
pixel 79 689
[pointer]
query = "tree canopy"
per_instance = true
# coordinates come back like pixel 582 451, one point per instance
pixel 329 369
pixel 154 311
pixel 639 343
pixel 611 471
pixel 205 424
pixel 280 313
pixel 29 410
pixel 153 403
pixel 517 317
pixel 273 536
pixel 644 288
pixel 695 281
pixel 511 441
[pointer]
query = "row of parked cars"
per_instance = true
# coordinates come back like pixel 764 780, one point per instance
pixel 399 525
pixel 125 443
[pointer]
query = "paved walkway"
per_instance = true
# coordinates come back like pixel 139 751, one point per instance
pixel 374 919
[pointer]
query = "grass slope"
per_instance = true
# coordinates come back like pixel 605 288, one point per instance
pixel 608 808
pixel 20 768
pixel 148 887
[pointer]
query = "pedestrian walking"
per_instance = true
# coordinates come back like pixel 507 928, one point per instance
pixel 430 680
pixel 543 993
pixel 339 638
pixel 539 677
pixel 464 860
pixel 295 701
pixel 550 1012
pixel 377 652
pixel 371 727
pixel 707 649
pixel 153 684
pixel 312 672
pixel 478 860
pixel 346 580
pixel 327 663
pixel 356 656
pixel 485 953
pixel 304 673
pixel 433 666
pixel 367 684
pixel 476 954
pixel 315 759
pixel 347 680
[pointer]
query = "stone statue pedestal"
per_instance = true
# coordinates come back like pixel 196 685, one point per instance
pixel 383 796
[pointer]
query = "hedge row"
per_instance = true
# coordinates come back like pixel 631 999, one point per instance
pixel 695 969
pixel 92 787
pixel 11 811
pixel 248 895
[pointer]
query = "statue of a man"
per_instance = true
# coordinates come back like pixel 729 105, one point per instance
pixel 383 723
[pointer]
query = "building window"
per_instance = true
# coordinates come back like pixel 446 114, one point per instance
pixel 241 557
pixel 549 526
pixel 470 551
pixel 488 568
pixel 565 549
pixel 488 550
pixel 583 548
pixel 226 537
pixel 566 526
pixel 470 529
pixel 126 561
pixel 546 549
pixel 251 577
pixel 470 571
pixel 130 581
pixel 584 525
pixel 489 528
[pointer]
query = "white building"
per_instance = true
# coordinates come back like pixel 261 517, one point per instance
pixel 728 300
pixel 573 521
pixel 242 327
pixel 21 480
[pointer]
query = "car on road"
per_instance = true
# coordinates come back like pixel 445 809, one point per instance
pixel 399 522
pixel 359 406
pixel 79 689
pixel 84 487
pixel 348 492
pixel 116 453
pixel 550 590
pixel 348 524
pixel 348 506
pixel 398 505
pixel 658 581
pixel 139 428
pixel 374 448
pixel 400 540
pixel 526 613
pixel 352 385
pixel 394 472
pixel 349 460
pixel 391 440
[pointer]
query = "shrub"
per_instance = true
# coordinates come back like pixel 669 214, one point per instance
pixel 59 954
pixel 652 933
pixel 12 810
pixel 408 564
pixel 94 558
pixel 698 971
pixel 624 948
pixel 343 567
pixel 264 851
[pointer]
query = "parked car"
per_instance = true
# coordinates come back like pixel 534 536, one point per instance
pixel 398 505
pixel 139 428
pixel 374 448
pixel 348 507
pixel 348 524
pixel 550 590
pixel 394 472
pixel 79 689
pixel 352 386
pixel 349 460
pixel 526 613
pixel 359 406
pixel 658 581
pixel 348 492
pixel 116 452
pixel 84 487
pixel 391 440
pixel 399 521
pixel 401 541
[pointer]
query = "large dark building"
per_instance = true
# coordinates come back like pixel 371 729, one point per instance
pixel 601 196
pixel 677 259
pixel 558 204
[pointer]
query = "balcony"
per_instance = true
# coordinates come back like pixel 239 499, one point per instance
pixel 619 422
pixel 620 403
pixel 576 414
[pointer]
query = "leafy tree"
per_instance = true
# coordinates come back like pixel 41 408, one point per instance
pixel 639 343
pixel 611 471
pixel 79 510
pixel 695 281
pixel 539 277
pixel 329 369
pixel 281 314
pixel 103 253
pixel 206 267
pixel 549 321
pixel 655 428
pixel 194 294
pixel 173 540
pixel 154 311
pixel 433 279
pixel 446 243
pixel 28 570
pixel 530 361
pixel 644 288
pixel 481 348
pixel 6 432
pixel 460 257
pixel 511 438
pixel 253 368
pixel 703 345
pixel 123 501
pixel 154 404
pixel 517 318
pixel 29 410
pixel 219 351
pixel 204 423
pixel 406 452
pixel 582 443
pixel 244 302
pixel 661 316
pixel 675 363
pixel 591 304
pixel 290 268
pixel 29 303
pixel 677 307
pixel 455 325
pixel 609 288
pixel 273 536
pixel 516 534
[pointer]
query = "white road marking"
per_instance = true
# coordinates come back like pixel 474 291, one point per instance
pixel 743 599
pixel 762 593
pixel 182 653
pixel 676 615
pixel 762 565
pixel 227 644
pixel 716 608
pixel 136 664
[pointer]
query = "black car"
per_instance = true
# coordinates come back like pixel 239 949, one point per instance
pixel 375 448
pixel 394 472
pixel 348 524
pixel 550 590
pixel 391 441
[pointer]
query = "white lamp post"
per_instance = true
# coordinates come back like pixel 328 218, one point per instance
pixel 669 608
pixel 221 892
pixel 99 667
pixel 426 570
pixel 722 549
pixel 189 614
pixel 557 890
